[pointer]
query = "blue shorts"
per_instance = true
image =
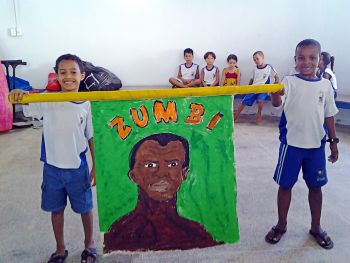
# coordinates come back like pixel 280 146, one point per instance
pixel 59 183
pixel 292 159
pixel 249 99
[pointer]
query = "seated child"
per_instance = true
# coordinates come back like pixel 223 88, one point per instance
pixel 262 74
pixel 210 75
pixel 231 76
pixel 188 74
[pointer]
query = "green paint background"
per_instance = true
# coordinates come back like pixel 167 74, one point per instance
pixel 208 195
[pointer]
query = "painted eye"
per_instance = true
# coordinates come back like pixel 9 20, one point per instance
pixel 173 164
pixel 150 165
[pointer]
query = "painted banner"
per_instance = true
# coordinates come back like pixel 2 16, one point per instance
pixel 165 173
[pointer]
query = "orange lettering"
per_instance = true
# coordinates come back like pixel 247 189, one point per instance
pixel 197 112
pixel 214 120
pixel 122 130
pixel 166 115
pixel 141 123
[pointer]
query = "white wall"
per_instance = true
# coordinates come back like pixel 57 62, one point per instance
pixel 142 40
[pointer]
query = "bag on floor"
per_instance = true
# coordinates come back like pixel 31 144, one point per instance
pixel 98 79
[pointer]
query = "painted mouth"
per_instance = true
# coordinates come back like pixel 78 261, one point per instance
pixel 161 186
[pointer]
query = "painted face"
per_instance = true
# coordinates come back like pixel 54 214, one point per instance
pixel 306 60
pixel 258 59
pixel 188 58
pixel 232 63
pixel 158 169
pixel 210 60
pixel 69 75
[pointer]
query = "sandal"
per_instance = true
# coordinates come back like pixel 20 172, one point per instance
pixel 89 255
pixel 322 239
pixel 274 235
pixel 58 258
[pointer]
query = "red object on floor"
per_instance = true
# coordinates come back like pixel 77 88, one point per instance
pixel 6 111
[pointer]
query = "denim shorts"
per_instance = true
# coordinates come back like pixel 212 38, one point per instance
pixel 249 99
pixel 292 159
pixel 58 184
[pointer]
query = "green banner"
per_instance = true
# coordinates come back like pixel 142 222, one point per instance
pixel 208 193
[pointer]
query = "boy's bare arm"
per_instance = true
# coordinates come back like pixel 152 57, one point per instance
pixel 250 82
pixel 92 151
pixel 277 79
pixel 332 134
pixel 276 98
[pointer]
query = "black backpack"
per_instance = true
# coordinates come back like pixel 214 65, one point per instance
pixel 98 79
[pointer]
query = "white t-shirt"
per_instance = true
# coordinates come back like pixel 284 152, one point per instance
pixel 210 75
pixel 66 128
pixel 189 73
pixel 306 104
pixel 263 75
pixel 333 79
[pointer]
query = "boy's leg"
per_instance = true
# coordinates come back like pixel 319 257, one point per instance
pixel 315 202
pixel 284 198
pixel 259 114
pixel 238 111
pixel 175 82
pixel 57 219
pixel 87 219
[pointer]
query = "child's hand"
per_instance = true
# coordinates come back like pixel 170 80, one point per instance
pixel 17 95
pixel 334 153
pixel 93 176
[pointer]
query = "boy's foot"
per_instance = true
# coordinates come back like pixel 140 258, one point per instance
pixel 274 235
pixel 89 255
pixel 55 258
pixel 322 239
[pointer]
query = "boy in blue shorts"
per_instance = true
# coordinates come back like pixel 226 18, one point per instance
pixel 308 110
pixel 262 74
pixel 67 132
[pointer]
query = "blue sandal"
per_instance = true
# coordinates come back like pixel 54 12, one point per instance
pixel 322 239
pixel 58 258
pixel 90 253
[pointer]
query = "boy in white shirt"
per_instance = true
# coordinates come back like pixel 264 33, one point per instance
pixel 67 132
pixel 308 106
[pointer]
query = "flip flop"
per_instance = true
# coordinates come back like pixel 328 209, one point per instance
pixel 322 239
pixel 274 235
pixel 89 253
pixel 58 258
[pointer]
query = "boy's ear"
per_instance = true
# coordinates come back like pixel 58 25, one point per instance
pixel 82 76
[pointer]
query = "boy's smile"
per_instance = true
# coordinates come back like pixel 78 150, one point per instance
pixel 69 75
pixel 307 60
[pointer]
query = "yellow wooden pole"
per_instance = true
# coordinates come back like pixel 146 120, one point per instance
pixel 147 94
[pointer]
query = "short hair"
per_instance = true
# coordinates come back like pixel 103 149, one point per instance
pixel 232 56
pixel 309 42
pixel 69 57
pixel 163 139
pixel 188 51
pixel 206 55
pixel 260 53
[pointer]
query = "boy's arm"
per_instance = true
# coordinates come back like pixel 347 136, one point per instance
pixel 332 135
pixel 277 79
pixel 223 77
pixel 92 173
pixel 217 77
pixel 179 75
pixel 202 78
pixel 250 82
